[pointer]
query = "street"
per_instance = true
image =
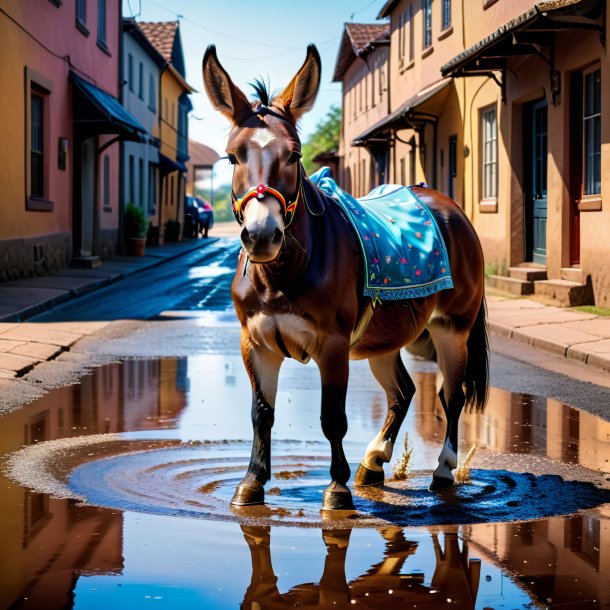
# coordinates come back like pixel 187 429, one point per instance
pixel 154 440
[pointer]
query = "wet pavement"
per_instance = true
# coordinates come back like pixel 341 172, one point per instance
pixel 155 447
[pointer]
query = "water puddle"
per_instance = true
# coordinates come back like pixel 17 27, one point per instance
pixel 155 447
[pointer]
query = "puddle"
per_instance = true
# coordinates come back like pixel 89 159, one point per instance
pixel 160 445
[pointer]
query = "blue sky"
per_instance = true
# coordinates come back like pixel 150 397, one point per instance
pixel 256 39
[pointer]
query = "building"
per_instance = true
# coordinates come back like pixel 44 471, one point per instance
pixel 60 131
pixel 200 170
pixel 482 107
pixel 174 106
pixel 362 68
pixel 142 65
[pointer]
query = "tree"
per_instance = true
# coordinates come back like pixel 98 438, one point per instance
pixel 324 139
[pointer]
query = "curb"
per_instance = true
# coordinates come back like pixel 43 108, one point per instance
pixel 33 310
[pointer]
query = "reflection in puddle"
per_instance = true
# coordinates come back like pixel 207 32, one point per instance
pixel 56 553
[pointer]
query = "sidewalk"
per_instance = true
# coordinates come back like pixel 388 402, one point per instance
pixel 572 334
pixel 579 336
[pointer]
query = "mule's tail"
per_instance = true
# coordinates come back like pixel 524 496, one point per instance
pixel 476 378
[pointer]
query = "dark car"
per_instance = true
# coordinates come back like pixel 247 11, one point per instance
pixel 198 217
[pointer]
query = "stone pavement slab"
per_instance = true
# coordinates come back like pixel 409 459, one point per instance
pixel 41 333
pixel 8 345
pixel 18 364
pixel 53 282
pixel 41 351
pixel 552 337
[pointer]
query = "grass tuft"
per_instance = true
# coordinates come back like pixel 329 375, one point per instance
pixel 402 466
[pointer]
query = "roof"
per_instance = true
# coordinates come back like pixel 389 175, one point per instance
pixel 394 119
pixel 100 112
pixel 358 40
pixel 541 21
pixel 162 35
pixel 201 154
pixel 130 26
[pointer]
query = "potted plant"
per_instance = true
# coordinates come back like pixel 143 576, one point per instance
pixel 136 228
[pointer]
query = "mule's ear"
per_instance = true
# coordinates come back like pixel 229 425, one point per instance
pixel 225 96
pixel 299 95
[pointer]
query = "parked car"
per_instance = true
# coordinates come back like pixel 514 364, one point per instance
pixel 198 217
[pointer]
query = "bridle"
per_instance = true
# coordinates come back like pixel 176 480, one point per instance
pixel 261 191
pixel 289 208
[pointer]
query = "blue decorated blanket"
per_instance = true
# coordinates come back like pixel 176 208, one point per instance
pixel 404 252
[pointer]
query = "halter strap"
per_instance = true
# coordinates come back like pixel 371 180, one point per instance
pixel 289 208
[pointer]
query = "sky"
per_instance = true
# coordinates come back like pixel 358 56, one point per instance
pixel 265 39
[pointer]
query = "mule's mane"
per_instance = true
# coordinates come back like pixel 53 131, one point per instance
pixel 262 92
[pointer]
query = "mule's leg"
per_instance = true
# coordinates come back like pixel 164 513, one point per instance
pixel 391 374
pixel 452 355
pixel 263 368
pixel 334 373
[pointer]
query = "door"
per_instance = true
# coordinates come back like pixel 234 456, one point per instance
pixel 537 196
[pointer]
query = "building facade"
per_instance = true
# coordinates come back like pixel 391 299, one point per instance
pixel 141 68
pixel 502 109
pixel 362 68
pixel 174 106
pixel 59 193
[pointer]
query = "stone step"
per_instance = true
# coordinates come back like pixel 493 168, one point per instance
pixel 510 284
pixel 573 274
pixel 86 262
pixel 564 293
pixel 527 274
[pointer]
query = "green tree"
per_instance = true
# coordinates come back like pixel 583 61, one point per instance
pixel 325 138
pixel 222 203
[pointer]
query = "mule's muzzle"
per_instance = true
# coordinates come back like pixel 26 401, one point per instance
pixel 262 243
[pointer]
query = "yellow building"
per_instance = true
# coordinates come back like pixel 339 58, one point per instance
pixel 174 105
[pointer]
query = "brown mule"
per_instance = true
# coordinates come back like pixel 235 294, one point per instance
pixel 298 292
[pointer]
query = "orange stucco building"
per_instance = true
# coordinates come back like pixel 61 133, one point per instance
pixel 501 108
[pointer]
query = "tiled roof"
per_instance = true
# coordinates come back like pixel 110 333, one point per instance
pixel 201 154
pixel 357 40
pixel 363 34
pixel 161 34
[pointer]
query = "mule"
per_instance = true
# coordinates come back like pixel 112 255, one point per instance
pixel 297 292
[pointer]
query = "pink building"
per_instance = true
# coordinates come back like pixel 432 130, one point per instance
pixel 59 85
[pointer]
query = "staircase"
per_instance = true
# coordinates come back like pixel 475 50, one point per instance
pixel 528 278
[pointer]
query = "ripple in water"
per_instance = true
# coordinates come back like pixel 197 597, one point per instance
pixel 198 481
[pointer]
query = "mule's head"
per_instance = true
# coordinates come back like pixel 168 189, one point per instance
pixel 265 150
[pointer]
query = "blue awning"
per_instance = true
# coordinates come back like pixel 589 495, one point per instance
pixel 97 112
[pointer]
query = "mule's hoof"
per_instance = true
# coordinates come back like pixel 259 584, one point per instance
pixel 439 483
pixel 337 497
pixel 248 494
pixel 366 477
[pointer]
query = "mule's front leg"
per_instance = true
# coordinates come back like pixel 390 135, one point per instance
pixel 263 368
pixel 334 372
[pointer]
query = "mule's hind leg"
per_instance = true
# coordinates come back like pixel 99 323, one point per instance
pixel 263 367
pixel 391 374
pixel 452 355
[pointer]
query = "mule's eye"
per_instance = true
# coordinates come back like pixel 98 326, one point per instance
pixel 232 159
pixel 294 157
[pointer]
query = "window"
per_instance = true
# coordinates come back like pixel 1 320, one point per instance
pixel 132 180
pixel 141 82
pixel 446 14
pixel 101 23
pixel 106 183
pixel 490 154
pixel 592 132
pixel 403 173
pixel 452 174
pixel 81 16
pixel 152 94
pixel 37 146
pixel 411 33
pixel 130 75
pixel 141 182
pixel 426 9
pixel 401 36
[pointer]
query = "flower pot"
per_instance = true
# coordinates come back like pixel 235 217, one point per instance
pixel 137 245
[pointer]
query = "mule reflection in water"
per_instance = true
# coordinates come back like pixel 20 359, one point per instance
pixel 298 291
pixel 455 578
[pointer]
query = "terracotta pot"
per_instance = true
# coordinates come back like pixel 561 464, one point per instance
pixel 136 246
